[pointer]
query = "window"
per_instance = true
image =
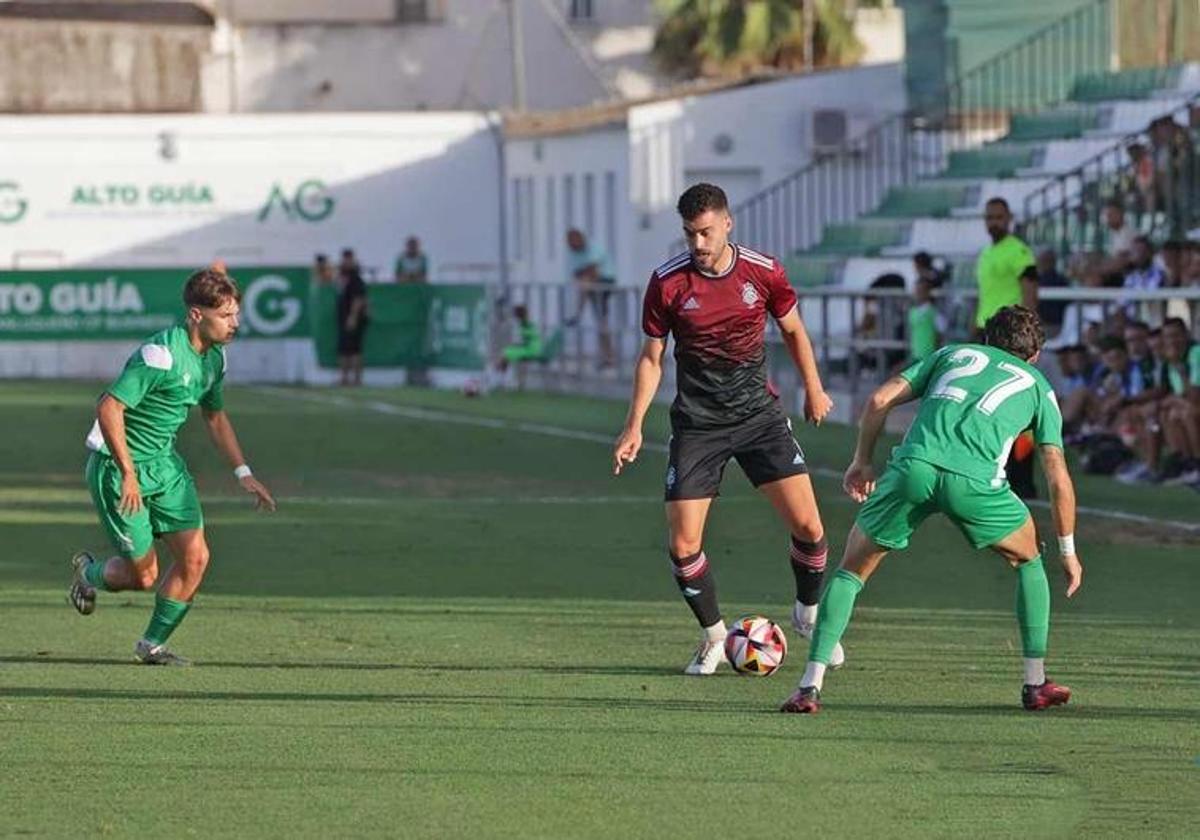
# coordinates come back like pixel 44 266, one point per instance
pixel 581 10
pixel 552 231
pixel 589 205
pixel 568 201
pixel 610 213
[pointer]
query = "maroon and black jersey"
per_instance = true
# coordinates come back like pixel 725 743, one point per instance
pixel 719 325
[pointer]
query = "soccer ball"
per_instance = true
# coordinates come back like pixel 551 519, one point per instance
pixel 755 645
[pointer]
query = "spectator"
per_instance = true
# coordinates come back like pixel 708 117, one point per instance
pixel 1001 265
pixel 1180 411
pixel 1143 274
pixel 1176 258
pixel 593 273
pixel 926 269
pixel 352 321
pixel 1076 368
pixel 1137 342
pixel 1141 183
pixel 322 271
pixel 412 266
pixel 348 264
pixel 1118 235
pixel 528 346
pixel 1048 277
pixel 1115 384
pixel 926 326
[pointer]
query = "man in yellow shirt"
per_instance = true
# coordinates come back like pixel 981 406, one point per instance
pixel 1001 265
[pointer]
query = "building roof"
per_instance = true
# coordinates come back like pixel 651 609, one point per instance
pixel 158 12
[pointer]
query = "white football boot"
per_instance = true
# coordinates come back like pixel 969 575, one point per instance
pixel 709 656
pixel 805 629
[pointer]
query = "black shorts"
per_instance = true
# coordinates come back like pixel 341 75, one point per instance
pixel 597 296
pixel 763 446
pixel 350 342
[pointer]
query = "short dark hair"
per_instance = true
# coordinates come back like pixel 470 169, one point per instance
pixel 1175 322
pixel 208 287
pixel 923 259
pixel 998 200
pixel 1174 245
pixel 1016 330
pixel 700 198
pixel 1112 342
pixel 1137 325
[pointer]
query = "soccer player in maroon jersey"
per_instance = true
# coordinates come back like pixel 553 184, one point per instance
pixel 714 299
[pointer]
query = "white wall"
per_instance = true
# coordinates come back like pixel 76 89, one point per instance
pixel 183 190
pixel 756 134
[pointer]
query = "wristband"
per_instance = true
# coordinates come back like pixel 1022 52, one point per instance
pixel 1066 545
pixel 244 472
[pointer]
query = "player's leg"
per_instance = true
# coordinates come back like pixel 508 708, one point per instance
pixel 176 516
pixel 903 498
pixel 696 464
pixel 996 518
pixel 135 567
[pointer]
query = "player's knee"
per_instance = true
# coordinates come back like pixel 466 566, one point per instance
pixel 144 577
pixel 196 560
pixel 809 532
pixel 682 546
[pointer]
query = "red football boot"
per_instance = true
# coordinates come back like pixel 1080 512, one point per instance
pixel 806 701
pixel 1036 698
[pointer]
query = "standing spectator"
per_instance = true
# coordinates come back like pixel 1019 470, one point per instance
pixel 926 326
pixel 927 270
pixel 1048 277
pixel 1118 235
pixel 592 270
pixel 412 266
pixel 1001 266
pixel 352 320
pixel 1003 281
pixel 348 264
pixel 322 271
pixel 1143 274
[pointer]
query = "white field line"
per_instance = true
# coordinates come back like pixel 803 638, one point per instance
pixel 431 415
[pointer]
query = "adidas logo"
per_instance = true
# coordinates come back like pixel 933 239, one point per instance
pixel 799 459
pixel 691 303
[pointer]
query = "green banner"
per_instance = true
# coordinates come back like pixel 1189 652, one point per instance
pixel 412 326
pixel 96 304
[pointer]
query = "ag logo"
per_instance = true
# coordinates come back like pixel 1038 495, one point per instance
pixel 12 206
pixel 749 294
pixel 310 202
pixel 270 306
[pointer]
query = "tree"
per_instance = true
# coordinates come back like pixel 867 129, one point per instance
pixel 732 37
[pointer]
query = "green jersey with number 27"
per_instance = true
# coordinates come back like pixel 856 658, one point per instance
pixel 975 400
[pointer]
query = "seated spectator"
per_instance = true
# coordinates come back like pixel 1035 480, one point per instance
pixel 1180 412
pixel 1137 342
pixel 1117 384
pixel 1144 274
pixel 1076 368
pixel 528 346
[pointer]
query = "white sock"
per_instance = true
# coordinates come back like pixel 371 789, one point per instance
pixel 716 632
pixel 1035 671
pixel 814 675
pixel 807 612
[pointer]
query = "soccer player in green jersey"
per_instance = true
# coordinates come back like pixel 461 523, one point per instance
pixel 975 400
pixel 138 482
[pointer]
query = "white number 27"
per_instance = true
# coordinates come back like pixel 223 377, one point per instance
pixel 975 364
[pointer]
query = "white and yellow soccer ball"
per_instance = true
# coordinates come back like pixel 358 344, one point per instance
pixel 755 645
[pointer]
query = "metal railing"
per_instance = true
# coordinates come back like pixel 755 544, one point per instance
pixel 904 147
pixel 852 361
pixel 1162 197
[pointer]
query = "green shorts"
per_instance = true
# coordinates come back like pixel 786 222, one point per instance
pixel 521 353
pixel 910 490
pixel 169 501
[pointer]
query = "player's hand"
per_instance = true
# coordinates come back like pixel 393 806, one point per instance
pixel 859 481
pixel 1073 571
pixel 131 495
pixel 262 496
pixel 817 404
pixel 626 450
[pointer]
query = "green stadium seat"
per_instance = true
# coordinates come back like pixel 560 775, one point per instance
pixel 927 199
pixel 865 238
pixel 1136 83
pixel 988 162
pixel 1055 124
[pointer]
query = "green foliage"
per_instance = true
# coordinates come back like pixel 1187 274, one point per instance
pixel 732 37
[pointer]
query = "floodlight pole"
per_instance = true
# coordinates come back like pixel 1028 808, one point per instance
pixel 517 39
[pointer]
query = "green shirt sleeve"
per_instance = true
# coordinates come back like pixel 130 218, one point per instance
pixel 1047 423
pixel 1194 366
pixel 919 373
pixel 145 369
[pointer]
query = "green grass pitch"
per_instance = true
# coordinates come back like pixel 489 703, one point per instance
pixel 470 630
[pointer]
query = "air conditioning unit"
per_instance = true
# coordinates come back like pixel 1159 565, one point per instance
pixel 830 130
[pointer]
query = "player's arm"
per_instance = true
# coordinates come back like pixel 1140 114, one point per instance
pixel 110 411
pixel 646 378
pixel 1062 508
pixel 220 429
pixel 817 403
pixel 859 481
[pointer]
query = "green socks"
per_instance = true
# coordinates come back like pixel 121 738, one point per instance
pixel 93 573
pixel 1033 607
pixel 836 607
pixel 167 616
